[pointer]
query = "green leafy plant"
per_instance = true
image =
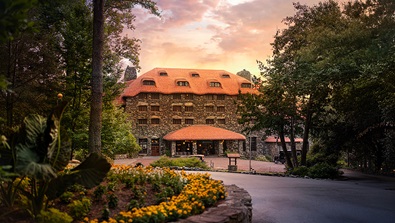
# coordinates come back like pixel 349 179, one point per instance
pixel 80 208
pixel 38 154
pixel 53 215
pixel 112 200
pixel 67 197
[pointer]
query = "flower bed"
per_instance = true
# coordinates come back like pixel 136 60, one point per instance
pixel 178 194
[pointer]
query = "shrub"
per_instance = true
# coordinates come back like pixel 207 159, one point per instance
pixel 179 162
pixel 323 170
pixel 66 197
pixel 80 208
pixel 262 158
pixel 300 171
pixel 53 215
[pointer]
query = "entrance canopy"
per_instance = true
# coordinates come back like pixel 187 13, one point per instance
pixel 203 132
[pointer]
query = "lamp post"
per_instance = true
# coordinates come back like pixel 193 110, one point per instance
pixel 249 138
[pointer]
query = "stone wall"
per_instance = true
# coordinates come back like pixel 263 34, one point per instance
pixel 236 208
pixel 223 111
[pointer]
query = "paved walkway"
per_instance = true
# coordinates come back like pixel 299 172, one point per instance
pixel 219 163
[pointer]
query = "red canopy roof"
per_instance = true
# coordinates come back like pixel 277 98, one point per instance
pixel 203 132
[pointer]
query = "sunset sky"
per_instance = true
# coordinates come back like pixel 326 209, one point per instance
pixel 210 34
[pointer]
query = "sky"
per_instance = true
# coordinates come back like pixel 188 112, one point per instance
pixel 226 35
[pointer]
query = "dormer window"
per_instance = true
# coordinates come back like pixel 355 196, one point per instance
pixel 225 76
pixel 215 84
pixel 195 75
pixel 149 82
pixel 245 85
pixel 163 73
pixel 182 83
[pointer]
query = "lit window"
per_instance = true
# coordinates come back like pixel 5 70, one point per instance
pixel 176 96
pixel 245 85
pixel 189 121
pixel 142 108
pixel 177 108
pixel 221 97
pixel 189 96
pixel 142 121
pixel 220 108
pixel 176 121
pixel 155 121
pixel 154 107
pixel 215 84
pixel 210 97
pixel 209 108
pixel 142 96
pixel 182 83
pixel 148 82
pixel 155 96
pixel 209 121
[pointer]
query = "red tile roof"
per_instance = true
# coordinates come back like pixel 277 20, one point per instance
pixel 273 139
pixel 203 132
pixel 167 84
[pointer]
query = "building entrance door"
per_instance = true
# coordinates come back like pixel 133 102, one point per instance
pixel 155 148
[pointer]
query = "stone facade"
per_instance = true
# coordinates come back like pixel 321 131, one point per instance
pixel 164 100
pixel 155 115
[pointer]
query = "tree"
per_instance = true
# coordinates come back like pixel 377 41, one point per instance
pixel 97 65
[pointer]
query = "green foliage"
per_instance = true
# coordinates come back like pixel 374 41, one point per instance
pixel 300 171
pixel 263 158
pixel 323 170
pixel 80 208
pixel 117 137
pixel 66 197
pixel 53 215
pixel 41 158
pixel 112 200
pixel 319 170
pixel 99 192
pixel 179 162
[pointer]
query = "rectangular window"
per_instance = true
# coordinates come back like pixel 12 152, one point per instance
pixel 176 121
pixel 154 107
pixel 177 108
pixel 221 97
pixel 142 96
pixel 176 96
pixel 155 121
pixel 189 96
pixel 253 143
pixel 155 96
pixel 143 144
pixel 142 121
pixel 221 121
pixel 220 108
pixel 245 85
pixel 209 108
pixel 142 108
pixel 189 121
pixel 210 97
pixel 209 121
pixel 188 108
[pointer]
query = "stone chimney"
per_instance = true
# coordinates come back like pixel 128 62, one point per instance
pixel 130 74
pixel 245 73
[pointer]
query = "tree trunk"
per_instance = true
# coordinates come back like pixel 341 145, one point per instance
pixel 97 77
pixel 307 125
pixel 284 146
pixel 293 145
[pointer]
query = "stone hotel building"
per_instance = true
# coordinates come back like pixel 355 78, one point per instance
pixel 189 111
